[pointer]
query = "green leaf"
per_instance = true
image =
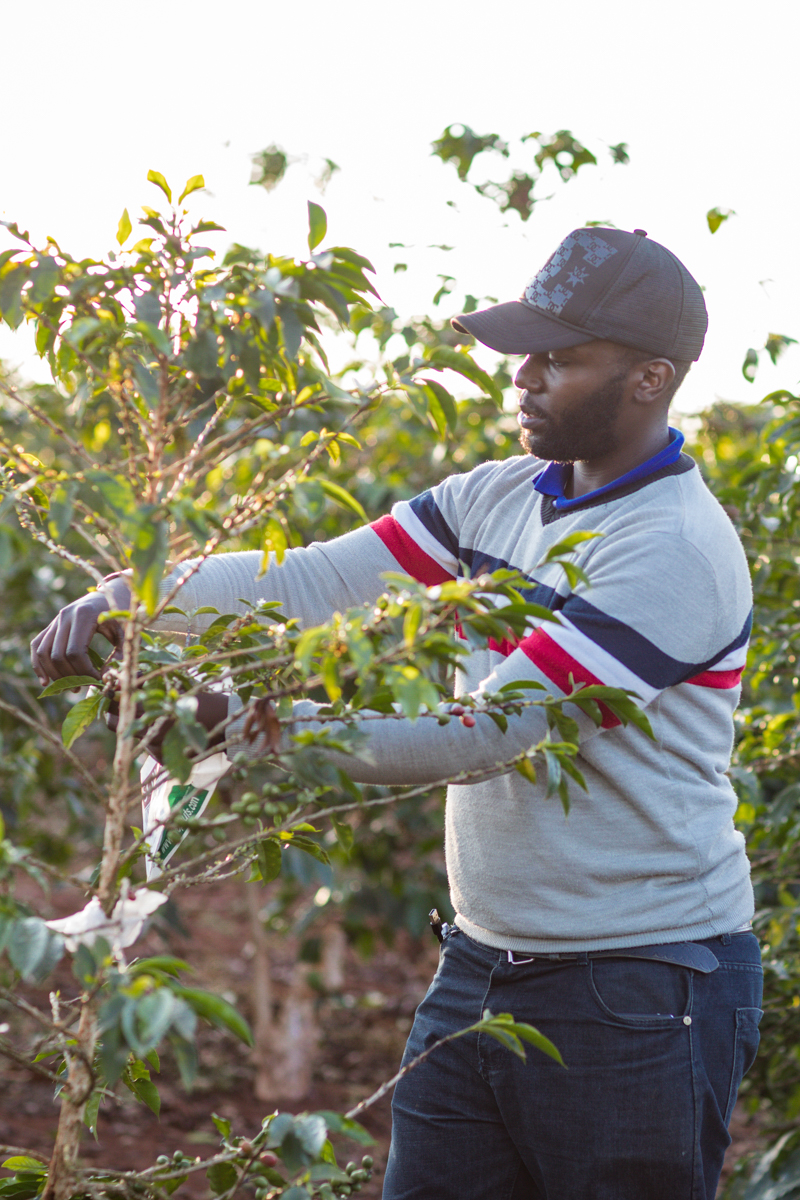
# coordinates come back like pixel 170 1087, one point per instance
pixel 340 496
pixel 512 1033
pixel 454 360
pixel 22 1162
pixel 526 770
pixel 776 343
pixel 262 305
pixel 568 543
pixel 81 716
pixel 336 1123
pixel 33 948
pixel 155 336
pixel 344 834
pixel 317 225
pixel 91 1111
pixel 217 1011
pixel 159 962
pixel 173 754
pixel 309 846
pixel 45 278
pixel 292 328
pixel 124 228
pixel 68 683
pixel 750 365
pixel 62 507
pixel 275 540
pixel 147 1092
pixel 445 401
pixel 221 1176
pixel 223 1125
pixel 147 558
pixel 716 216
pixel 11 287
pixel 158 179
pixel 269 859
pixel 154 1013
pixel 192 185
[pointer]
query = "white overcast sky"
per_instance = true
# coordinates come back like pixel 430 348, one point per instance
pixel 705 95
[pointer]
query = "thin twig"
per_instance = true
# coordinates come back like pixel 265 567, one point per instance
pixel 37 412
pixel 16 1057
pixel 56 741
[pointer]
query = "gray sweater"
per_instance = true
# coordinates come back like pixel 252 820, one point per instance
pixel 650 853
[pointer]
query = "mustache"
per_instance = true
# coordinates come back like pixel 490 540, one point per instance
pixel 532 410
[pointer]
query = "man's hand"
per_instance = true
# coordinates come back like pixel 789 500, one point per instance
pixel 63 647
pixel 212 708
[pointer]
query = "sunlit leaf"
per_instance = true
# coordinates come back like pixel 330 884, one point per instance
pixel 158 179
pixel 124 228
pixel 81 716
pixel 192 185
pixel 317 225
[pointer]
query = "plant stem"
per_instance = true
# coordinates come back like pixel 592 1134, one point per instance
pixel 126 749
pixel 77 1090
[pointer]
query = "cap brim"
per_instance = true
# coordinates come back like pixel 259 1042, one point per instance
pixel 515 328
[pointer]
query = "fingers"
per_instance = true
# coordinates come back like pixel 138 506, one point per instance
pixel 62 648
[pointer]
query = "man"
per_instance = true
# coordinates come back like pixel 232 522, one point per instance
pixel 623 930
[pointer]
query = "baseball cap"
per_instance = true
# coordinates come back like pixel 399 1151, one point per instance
pixel 600 283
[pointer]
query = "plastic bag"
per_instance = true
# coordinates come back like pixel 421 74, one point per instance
pixel 191 797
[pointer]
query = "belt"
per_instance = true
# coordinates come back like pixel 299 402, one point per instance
pixel 693 955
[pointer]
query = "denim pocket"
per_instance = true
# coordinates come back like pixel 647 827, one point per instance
pixel 638 991
pixel 745 1046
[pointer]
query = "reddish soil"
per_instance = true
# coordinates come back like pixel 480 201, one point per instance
pixel 363 1028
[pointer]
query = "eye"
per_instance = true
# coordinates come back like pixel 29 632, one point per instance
pixel 554 361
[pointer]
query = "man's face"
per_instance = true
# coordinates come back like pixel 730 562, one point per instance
pixel 571 402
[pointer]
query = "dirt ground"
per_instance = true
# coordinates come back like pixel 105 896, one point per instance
pixel 362 1027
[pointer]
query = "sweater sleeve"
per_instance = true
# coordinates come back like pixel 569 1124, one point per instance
pixel 653 616
pixel 311 583
pixel 399 751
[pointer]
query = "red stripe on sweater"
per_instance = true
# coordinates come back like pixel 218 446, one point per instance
pixel 717 679
pixel 506 647
pixel 557 665
pixel 415 562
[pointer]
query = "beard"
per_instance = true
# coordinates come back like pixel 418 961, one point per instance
pixel 585 434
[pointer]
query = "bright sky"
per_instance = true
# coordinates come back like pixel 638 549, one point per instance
pixel 705 96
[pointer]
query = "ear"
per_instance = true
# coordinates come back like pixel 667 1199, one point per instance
pixel 655 377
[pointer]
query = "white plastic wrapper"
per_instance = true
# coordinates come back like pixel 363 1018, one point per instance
pixel 121 929
pixel 191 797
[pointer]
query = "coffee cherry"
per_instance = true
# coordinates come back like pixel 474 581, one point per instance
pixel 245 1147
pixel 367 1162
pixel 268 1158
pixel 468 720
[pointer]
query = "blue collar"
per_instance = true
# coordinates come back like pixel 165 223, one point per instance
pixel 554 478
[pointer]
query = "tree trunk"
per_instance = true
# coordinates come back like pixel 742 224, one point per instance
pixel 77 1090
pixel 285 1047
pixel 263 1023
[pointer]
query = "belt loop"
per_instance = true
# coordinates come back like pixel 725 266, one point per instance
pixel 725 938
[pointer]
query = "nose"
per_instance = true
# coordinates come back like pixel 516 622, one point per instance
pixel 529 376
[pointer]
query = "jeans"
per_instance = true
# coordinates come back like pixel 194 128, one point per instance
pixel 654 1055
